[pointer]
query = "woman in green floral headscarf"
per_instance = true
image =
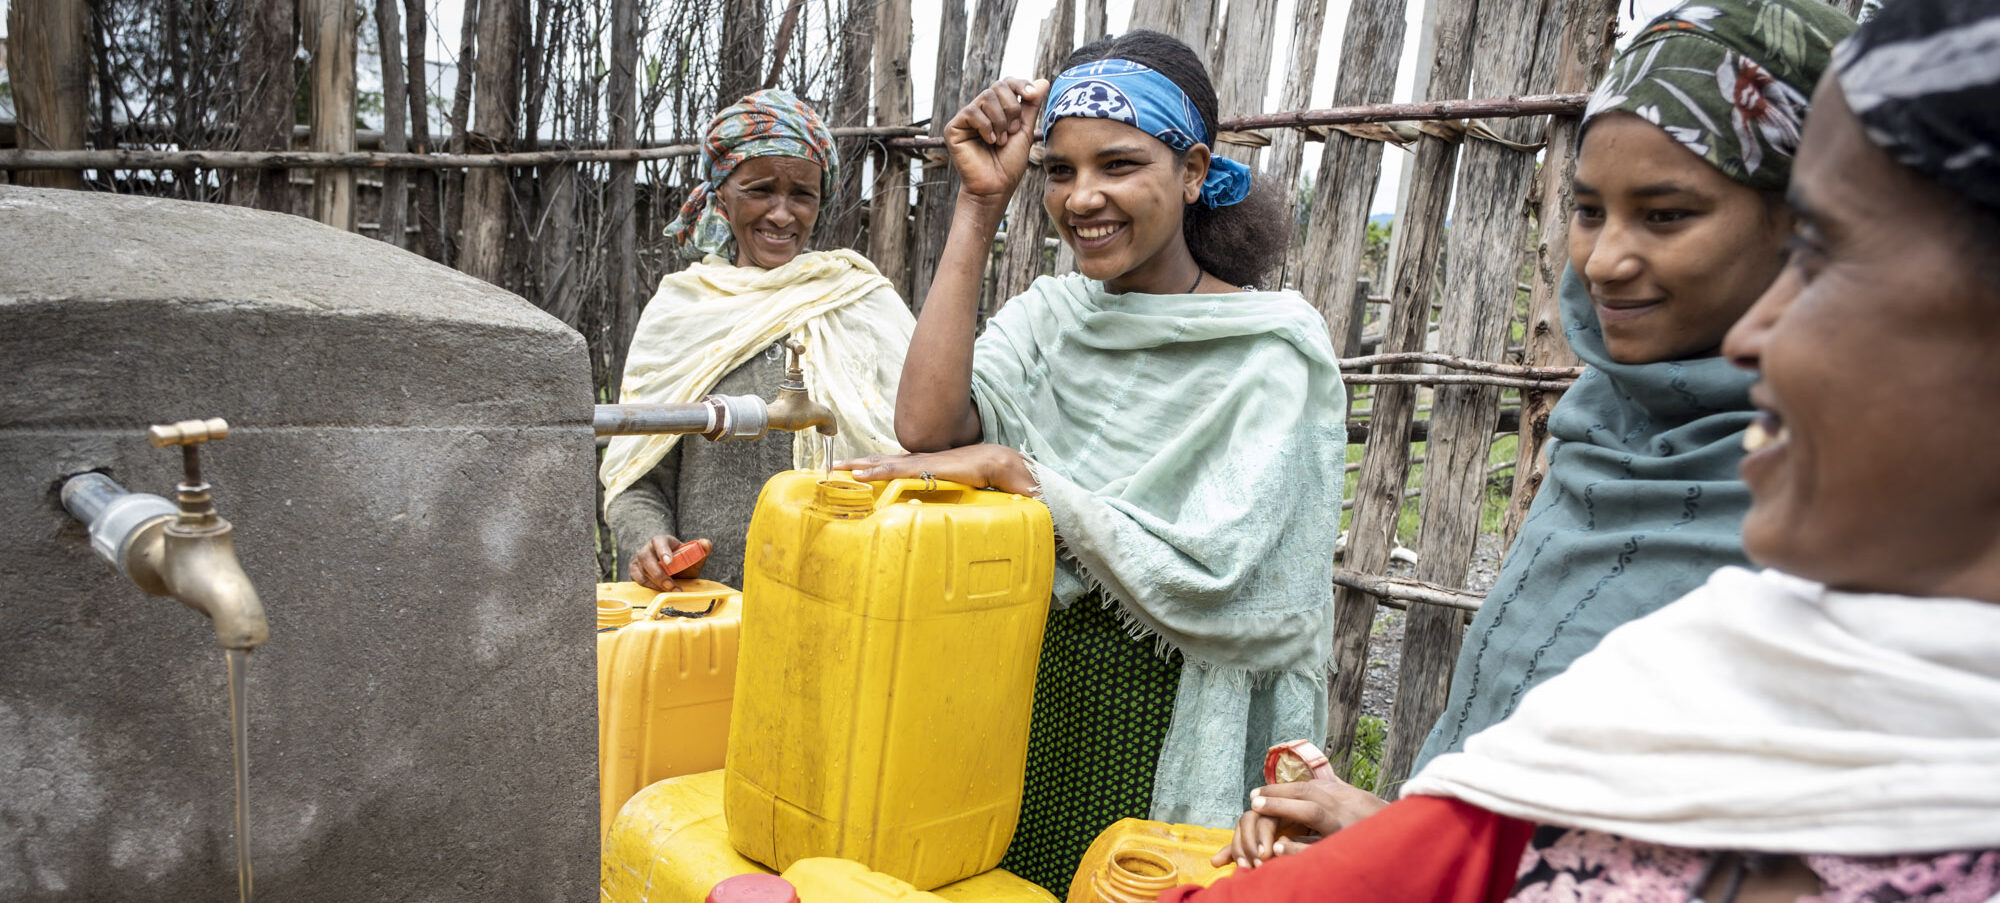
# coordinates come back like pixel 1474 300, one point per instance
pixel 1679 225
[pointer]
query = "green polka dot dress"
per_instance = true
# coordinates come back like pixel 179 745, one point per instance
pixel 1102 704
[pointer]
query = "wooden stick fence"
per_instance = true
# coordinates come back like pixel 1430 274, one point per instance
pixel 900 137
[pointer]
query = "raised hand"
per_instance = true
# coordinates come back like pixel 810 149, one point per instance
pixel 989 139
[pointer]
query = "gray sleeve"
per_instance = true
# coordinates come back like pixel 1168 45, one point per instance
pixel 646 508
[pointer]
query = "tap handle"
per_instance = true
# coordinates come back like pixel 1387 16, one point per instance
pixel 188 432
pixel 795 359
pixel 189 435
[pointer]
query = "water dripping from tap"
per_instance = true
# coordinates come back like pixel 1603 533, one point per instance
pixel 826 451
pixel 239 730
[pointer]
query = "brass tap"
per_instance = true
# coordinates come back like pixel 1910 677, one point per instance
pixel 793 410
pixel 195 560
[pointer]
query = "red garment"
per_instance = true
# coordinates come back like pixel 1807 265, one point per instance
pixel 1421 849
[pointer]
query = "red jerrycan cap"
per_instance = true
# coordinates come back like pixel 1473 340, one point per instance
pixel 753 889
pixel 1298 760
pixel 688 555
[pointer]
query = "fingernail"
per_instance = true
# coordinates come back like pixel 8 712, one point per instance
pixel 1257 802
pixel 1242 863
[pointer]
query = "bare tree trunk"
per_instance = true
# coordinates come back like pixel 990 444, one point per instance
pixel 453 202
pixel 49 65
pixel 395 109
pixel 1027 220
pixel 1516 49
pixel 623 265
pixel 1282 164
pixel 788 25
pixel 889 211
pixel 329 27
pixel 743 45
pixel 495 102
pixel 1241 64
pixel 267 87
pixel 1588 29
pixel 430 226
pixel 939 189
pixel 840 226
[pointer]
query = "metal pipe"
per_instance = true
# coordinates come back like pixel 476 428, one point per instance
pixel 646 419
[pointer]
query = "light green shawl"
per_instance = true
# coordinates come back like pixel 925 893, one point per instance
pixel 1191 450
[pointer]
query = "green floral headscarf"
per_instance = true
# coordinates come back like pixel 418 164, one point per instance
pixel 1728 79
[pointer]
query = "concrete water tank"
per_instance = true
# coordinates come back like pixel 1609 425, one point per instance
pixel 410 477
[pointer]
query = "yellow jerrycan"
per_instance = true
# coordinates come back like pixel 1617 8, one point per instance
pixel 669 844
pixel 887 674
pixel 666 668
pixel 1134 860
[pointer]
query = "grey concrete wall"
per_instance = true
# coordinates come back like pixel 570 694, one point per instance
pixel 410 479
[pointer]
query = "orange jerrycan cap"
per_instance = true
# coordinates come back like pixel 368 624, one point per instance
pixel 753 889
pixel 688 555
pixel 1298 760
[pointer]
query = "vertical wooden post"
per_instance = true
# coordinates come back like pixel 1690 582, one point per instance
pixel 1094 20
pixel 1386 458
pixel 840 224
pixel 1027 221
pixel 48 62
pixel 430 228
pixel 1337 222
pixel 495 102
pixel 460 118
pixel 1288 145
pixel 622 276
pixel 889 213
pixel 1241 65
pixel 1516 46
pixel 267 39
pixel 395 110
pixel 329 27
pixel 1588 30
pixel 939 188
pixel 1192 21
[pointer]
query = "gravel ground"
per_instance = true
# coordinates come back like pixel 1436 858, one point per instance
pixel 1385 645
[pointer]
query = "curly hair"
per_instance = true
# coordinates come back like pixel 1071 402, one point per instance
pixel 1241 243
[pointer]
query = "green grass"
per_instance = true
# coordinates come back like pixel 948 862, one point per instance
pixel 1493 511
pixel 1364 766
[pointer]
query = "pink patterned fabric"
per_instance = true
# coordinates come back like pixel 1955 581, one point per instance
pixel 1577 866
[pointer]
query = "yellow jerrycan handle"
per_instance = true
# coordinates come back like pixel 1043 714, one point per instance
pixel 897 488
pixel 702 589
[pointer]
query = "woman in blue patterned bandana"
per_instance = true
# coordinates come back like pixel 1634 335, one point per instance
pixel 1185 431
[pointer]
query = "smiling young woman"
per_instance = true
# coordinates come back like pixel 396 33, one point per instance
pixel 1185 431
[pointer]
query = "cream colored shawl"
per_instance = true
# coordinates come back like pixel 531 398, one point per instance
pixel 1761 712
pixel 713 316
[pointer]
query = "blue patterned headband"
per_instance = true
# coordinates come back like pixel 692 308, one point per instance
pixel 1150 102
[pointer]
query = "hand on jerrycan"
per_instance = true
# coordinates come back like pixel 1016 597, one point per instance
pixel 663 559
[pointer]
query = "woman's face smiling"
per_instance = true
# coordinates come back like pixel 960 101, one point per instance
pixel 771 204
pixel 1872 463
pixel 1117 196
pixel 1672 250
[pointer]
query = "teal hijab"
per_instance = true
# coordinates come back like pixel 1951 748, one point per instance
pixel 1642 502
